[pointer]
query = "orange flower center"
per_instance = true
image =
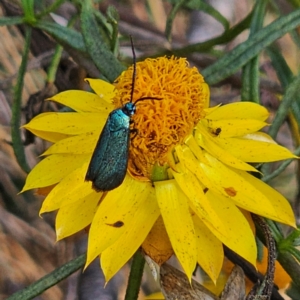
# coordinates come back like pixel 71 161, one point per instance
pixel 161 124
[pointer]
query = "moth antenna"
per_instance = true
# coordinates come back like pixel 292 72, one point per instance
pixel 134 69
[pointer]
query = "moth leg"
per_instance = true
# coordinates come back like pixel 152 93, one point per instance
pixel 135 132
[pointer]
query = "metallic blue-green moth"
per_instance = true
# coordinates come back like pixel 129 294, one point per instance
pixel 107 168
pixel 108 165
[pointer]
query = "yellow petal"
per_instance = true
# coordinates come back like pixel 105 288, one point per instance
pixel 231 184
pixel 259 136
pixel 119 209
pixel 190 185
pixel 208 143
pixel 175 212
pixel 219 178
pixel 155 296
pixel 233 127
pixel 188 160
pixel 115 256
pixel 49 136
pixel 282 209
pixel 53 169
pixel 76 216
pixel 221 231
pixel 240 237
pixel 209 250
pixel 254 151
pixel 79 144
pixel 72 188
pixel 68 123
pixel 82 101
pixel 194 147
pixel 239 110
pixel 103 89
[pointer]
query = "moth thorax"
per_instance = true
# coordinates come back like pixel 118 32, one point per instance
pixel 129 109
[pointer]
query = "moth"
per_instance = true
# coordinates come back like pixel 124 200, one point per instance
pixel 108 165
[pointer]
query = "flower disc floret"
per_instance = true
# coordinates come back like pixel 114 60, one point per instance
pixel 161 124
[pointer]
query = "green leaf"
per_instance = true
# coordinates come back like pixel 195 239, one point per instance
pixel 293 291
pixel 289 96
pixel 283 71
pixel 6 21
pixel 113 18
pixel 171 18
pixel 227 36
pixel 98 50
pixel 73 43
pixel 295 3
pixel 250 75
pixel 28 9
pixel 285 75
pixel 63 35
pixel 17 103
pixel 289 263
pixel 51 8
pixel 234 60
pixel 205 7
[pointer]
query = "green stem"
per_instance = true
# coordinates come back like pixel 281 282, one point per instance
pixel 52 70
pixel 16 107
pixel 206 46
pixel 285 106
pixel 135 276
pixel 49 280
pixel 50 8
pixel 171 18
pixel 54 64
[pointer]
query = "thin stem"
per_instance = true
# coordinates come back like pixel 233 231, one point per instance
pixel 52 70
pixel 49 280
pixel 50 8
pixel 16 107
pixel 54 64
pixel 135 276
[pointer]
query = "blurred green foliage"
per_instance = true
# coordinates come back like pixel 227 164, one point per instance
pixel 95 43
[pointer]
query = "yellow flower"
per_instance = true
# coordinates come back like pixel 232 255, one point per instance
pixel 188 190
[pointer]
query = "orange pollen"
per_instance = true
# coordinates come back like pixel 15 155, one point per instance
pixel 161 124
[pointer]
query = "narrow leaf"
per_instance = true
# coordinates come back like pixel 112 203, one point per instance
pixel 171 17
pixel 284 108
pixel 105 61
pixel 64 35
pixel 234 60
pixel 16 108
pixel 250 77
pixel 5 21
pixel 205 7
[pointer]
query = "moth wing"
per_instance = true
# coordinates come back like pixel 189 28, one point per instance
pixel 112 170
pixel 99 153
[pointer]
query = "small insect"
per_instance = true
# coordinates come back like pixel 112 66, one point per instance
pixel 108 165
pixel 217 131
